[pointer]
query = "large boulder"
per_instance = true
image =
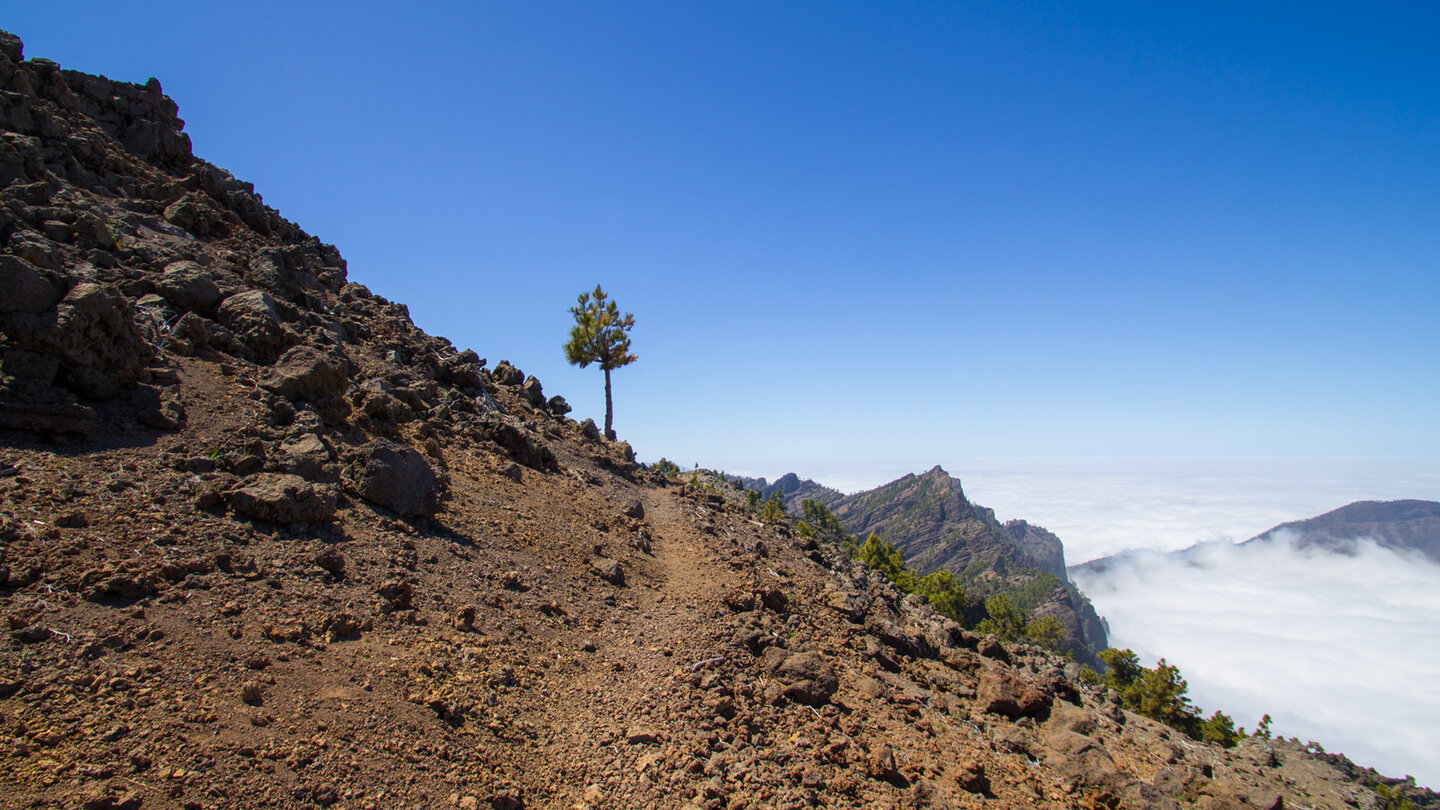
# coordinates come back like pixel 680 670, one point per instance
pixel 506 374
pixel 1002 692
pixel 195 213
pixel 517 441
pixel 193 332
pixel 315 376
pixel 47 417
pixel 11 47
pixel 463 370
pixel 283 498
pixel 609 570
pixel 253 317
pixel 27 287
pixel 1068 747
pixel 808 678
pixel 305 372
pixel 533 391
pixel 93 336
pixel 29 371
pixel 394 476
pixel 309 457
pixel 188 286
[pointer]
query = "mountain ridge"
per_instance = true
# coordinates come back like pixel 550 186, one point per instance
pixel 1403 525
pixel 928 518
pixel 1406 525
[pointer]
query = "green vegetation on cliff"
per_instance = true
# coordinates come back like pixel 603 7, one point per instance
pixel 942 589
pixel 1160 694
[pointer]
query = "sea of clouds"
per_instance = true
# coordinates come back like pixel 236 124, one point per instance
pixel 1102 506
pixel 1341 650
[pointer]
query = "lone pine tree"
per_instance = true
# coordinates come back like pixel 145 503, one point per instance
pixel 600 335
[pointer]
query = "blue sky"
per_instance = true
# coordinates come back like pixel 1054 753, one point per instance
pixel 856 233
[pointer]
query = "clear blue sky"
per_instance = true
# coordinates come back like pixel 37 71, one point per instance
pixel 853 234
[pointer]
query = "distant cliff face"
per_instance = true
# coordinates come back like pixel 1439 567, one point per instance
pixel 795 490
pixel 1040 544
pixel 929 519
pixel 1410 525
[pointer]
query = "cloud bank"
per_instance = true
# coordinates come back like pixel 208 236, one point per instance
pixel 1102 506
pixel 1342 650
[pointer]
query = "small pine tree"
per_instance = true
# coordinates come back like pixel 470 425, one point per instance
pixel 1160 695
pixel 1262 731
pixel 1219 728
pixel 877 554
pixel 1047 631
pixel 944 593
pixel 819 517
pixel 1122 668
pixel 600 335
pixel 774 508
pixel 1002 618
pixel 1393 798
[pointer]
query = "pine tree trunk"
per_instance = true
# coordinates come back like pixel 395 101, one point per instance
pixel 609 410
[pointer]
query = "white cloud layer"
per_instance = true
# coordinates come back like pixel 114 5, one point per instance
pixel 1341 650
pixel 1103 506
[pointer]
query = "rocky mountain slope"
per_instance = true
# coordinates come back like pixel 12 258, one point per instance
pixel 929 519
pixel 264 543
pixel 1409 525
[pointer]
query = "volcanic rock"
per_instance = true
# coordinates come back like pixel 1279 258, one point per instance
pixel 808 678
pixel 189 286
pixel 283 498
pixel 394 476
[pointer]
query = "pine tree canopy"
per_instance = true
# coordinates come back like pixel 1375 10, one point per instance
pixel 601 333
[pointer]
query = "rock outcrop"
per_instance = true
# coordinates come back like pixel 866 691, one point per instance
pixel 929 519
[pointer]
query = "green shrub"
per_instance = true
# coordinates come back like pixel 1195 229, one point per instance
pixel 774 509
pixel 1160 694
pixel 1047 631
pixel 1002 618
pixel 1220 729
pixel 944 593
pixel 823 521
